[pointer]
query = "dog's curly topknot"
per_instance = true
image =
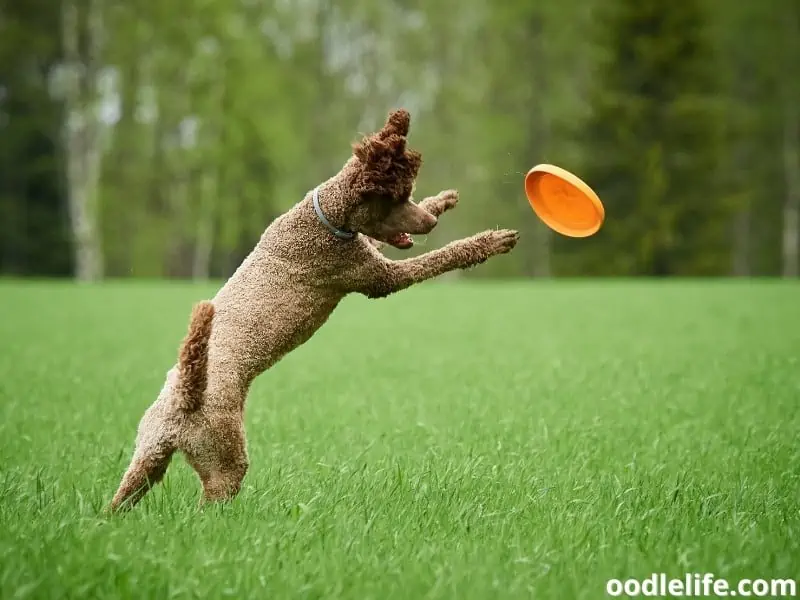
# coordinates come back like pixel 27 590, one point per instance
pixel 398 123
pixel 388 167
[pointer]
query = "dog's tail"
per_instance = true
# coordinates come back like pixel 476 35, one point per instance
pixel 193 358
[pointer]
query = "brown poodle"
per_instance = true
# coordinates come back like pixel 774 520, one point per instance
pixel 306 261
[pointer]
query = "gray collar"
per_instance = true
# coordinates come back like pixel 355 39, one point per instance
pixel 345 235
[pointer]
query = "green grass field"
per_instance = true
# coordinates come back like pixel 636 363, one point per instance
pixel 454 441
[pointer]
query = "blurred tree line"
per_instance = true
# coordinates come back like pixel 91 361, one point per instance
pixel 158 139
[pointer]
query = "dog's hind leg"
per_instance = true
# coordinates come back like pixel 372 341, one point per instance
pixel 218 454
pixel 154 449
pixel 146 469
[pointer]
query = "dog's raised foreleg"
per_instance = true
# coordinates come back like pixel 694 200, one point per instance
pixel 440 203
pixel 388 277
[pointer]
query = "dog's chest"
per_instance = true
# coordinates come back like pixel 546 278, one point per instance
pixel 259 329
pixel 300 317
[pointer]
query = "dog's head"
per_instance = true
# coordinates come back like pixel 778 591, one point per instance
pixel 384 171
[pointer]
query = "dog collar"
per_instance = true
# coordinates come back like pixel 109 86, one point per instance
pixel 345 235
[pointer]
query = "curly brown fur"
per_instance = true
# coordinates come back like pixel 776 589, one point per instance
pixel 281 294
pixel 193 358
pixel 388 168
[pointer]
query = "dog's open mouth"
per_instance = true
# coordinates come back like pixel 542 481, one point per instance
pixel 401 241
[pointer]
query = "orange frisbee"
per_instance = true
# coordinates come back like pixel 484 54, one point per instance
pixel 563 201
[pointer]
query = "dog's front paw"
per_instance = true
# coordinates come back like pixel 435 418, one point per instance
pixel 447 199
pixel 493 242
pixel 440 203
pixel 501 241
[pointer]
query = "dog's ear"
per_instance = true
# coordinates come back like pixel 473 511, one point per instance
pixel 389 142
pixel 387 166
pixel 379 152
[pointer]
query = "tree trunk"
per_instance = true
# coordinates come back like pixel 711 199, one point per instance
pixel 201 261
pixel 538 263
pixel 791 207
pixel 740 265
pixel 791 153
pixel 81 136
pixel 176 105
pixel 742 224
pixel 213 124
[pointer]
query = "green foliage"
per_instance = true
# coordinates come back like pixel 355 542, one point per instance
pixel 34 237
pixel 220 114
pixel 754 84
pixel 652 146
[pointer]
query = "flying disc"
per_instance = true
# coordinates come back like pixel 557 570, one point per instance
pixel 563 201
